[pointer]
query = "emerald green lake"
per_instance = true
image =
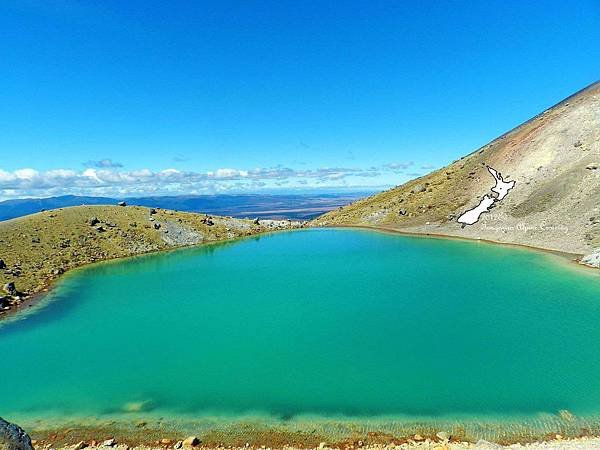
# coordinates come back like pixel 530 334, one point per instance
pixel 319 322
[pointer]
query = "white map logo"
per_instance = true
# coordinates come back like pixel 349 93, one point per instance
pixel 488 201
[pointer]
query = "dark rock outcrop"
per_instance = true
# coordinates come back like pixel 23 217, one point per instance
pixel 12 437
pixel 208 220
pixel 4 302
pixel 11 289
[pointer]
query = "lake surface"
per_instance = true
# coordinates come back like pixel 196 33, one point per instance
pixel 325 322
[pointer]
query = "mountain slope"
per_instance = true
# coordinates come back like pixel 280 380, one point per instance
pixel 554 159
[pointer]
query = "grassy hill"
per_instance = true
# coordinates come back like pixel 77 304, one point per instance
pixel 555 160
pixel 36 249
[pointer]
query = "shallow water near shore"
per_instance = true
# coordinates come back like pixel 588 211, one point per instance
pixel 334 323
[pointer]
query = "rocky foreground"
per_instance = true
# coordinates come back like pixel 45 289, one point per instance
pixel 554 159
pixel 571 444
pixel 574 444
pixel 37 249
pixel 12 437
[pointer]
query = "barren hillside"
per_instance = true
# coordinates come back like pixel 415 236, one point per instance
pixel 555 160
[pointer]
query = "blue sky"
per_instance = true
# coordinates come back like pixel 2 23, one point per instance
pixel 189 96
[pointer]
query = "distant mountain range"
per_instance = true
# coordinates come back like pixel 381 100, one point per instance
pixel 271 206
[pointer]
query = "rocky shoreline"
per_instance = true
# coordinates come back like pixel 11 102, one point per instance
pixel 426 444
pixel 12 437
pixel 37 250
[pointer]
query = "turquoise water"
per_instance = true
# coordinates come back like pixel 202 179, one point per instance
pixel 325 322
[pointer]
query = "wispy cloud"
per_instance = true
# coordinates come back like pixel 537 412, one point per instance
pixel 103 164
pixel 106 178
pixel 399 166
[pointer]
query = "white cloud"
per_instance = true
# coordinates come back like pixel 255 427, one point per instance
pixel 28 182
pixel 230 173
pixel 60 173
pixel 5 177
pixel 91 173
pixel 141 173
pixel 26 174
